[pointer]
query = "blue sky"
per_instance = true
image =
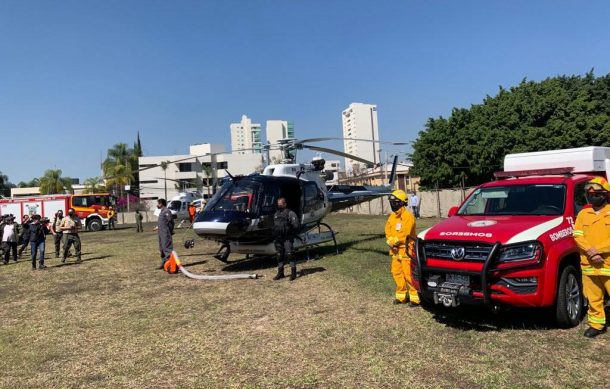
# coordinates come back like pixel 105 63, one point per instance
pixel 77 77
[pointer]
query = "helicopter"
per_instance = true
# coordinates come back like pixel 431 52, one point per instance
pixel 240 215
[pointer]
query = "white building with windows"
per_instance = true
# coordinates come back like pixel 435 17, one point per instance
pixel 276 130
pixel 246 135
pixel 191 172
pixel 360 122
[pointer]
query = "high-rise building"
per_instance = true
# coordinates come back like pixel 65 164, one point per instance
pixel 360 122
pixel 246 135
pixel 276 130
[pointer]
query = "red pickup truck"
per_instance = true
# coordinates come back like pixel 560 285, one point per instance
pixel 510 242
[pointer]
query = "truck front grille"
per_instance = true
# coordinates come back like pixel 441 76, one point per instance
pixel 472 251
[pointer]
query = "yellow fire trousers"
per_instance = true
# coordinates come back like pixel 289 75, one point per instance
pixel 594 288
pixel 401 272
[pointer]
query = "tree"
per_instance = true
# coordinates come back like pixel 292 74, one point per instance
pixel 164 166
pixel 119 166
pixel 53 183
pixel 94 185
pixel 470 145
pixel 29 184
pixel 5 185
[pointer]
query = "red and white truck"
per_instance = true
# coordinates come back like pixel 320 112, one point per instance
pixel 92 209
pixel 510 242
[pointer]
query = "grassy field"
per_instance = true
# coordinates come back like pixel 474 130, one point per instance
pixel 114 321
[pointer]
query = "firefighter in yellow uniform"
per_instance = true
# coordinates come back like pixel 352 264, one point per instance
pixel 592 235
pixel 401 224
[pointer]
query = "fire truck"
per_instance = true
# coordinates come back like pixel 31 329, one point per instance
pixel 91 208
pixel 510 242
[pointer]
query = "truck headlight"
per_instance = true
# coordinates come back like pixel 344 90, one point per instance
pixel 526 251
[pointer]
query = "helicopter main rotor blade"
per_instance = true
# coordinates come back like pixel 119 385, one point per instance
pixel 181 160
pixel 339 153
pixel 310 140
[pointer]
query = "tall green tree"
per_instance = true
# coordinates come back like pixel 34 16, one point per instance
pixel 52 182
pixel 470 145
pixel 119 167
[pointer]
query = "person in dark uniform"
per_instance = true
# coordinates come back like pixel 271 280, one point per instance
pixel 165 228
pixel 285 228
pixel 38 233
pixel 70 226
pixel 139 218
pixel 24 237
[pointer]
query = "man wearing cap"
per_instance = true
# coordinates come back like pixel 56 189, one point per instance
pixel 9 234
pixel 592 235
pixel 400 225
pixel 57 233
pixel 70 226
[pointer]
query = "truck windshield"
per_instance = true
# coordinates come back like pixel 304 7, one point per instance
pixel 235 196
pixel 537 199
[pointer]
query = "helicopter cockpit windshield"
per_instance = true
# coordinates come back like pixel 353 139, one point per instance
pixel 237 196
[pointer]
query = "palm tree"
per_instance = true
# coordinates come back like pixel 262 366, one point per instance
pixel 207 172
pixel 93 185
pixel 53 183
pixel 119 166
pixel 164 166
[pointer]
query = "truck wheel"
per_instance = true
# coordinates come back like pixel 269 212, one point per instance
pixel 94 225
pixel 569 306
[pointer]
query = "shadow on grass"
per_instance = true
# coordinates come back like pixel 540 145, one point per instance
pixel 476 318
pixel 329 249
pixel 73 261
pixel 195 263
pixel 311 270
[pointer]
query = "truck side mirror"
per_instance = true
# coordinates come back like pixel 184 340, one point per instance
pixel 452 211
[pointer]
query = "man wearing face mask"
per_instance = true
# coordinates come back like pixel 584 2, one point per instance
pixel 57 233
pixel 165 228
pixel 285 228
pixel 592 235
pixel 70 226
pixel 401 224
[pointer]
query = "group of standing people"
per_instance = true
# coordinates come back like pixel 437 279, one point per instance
pixel 33 232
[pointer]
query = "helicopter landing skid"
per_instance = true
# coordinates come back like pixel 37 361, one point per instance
pixel 223 253
pixel 310 238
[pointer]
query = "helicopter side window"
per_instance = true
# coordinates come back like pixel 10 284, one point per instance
pixel 310 196
pixel 270 196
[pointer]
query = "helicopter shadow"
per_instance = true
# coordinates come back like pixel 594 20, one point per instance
pixel 269 261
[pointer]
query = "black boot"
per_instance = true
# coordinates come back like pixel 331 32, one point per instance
pixel 280 274
pixel 293 273
pixel 593 332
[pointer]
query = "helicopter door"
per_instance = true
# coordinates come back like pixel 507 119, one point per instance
pixel 312 203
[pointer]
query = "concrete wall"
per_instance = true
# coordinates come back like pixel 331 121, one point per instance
pixel 130 217
pixel 432 203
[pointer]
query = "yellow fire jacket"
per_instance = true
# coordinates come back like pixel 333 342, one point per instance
pixel 399 225
pixel 592 231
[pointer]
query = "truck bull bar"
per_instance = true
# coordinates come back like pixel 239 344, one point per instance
pixel 421 269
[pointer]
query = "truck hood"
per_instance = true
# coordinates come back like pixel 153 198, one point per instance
pixel 503 229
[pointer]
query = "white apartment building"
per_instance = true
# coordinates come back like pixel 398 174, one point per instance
pixel 276 130
pixel 246 135
pixel 185 173
pixel 360 122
